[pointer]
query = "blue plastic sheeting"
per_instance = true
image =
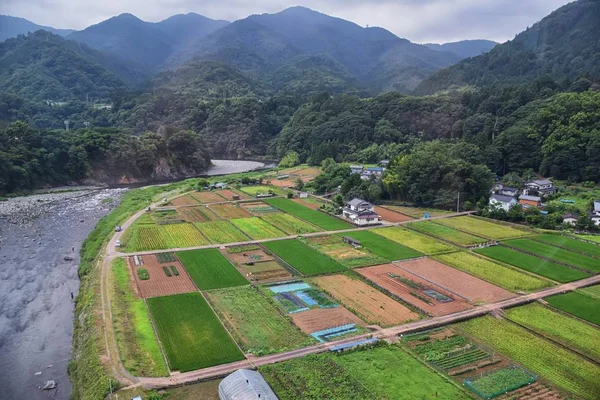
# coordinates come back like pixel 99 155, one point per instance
pixel 353 344
pixel 319 335
pixel 299 310
pixel 309 301
pixel 339 333
pixel 290 287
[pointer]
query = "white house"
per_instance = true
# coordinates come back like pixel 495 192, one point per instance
pixel 570 219
pixel 360 212
pixel 595 213
pixel 356 169
pixel 543 187
pixel 504 202
pixel 376 172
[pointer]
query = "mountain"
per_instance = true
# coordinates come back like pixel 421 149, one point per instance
pixel 374 56
pixel 14 26
pixel 44 66
pixel 563 45
pixel 464 48
pixel 145 43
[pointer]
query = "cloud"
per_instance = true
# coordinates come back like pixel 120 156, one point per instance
pixel 417 20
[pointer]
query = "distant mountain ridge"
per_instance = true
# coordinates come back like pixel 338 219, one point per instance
pixel 14 26
pixel 563 45
pixel 464 48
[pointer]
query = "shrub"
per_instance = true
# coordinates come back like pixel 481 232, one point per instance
pixel 143 274
pixel 174 269
pixel 167 271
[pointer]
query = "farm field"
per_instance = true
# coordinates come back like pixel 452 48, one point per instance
pixel 256 190
pixel 267 271
pixel 470 287
pixel 381 246
pixel 185 200
pixel 162 217
pixel 549 269
pixel 483 228
pixel 559 366
pixel 391 216
pixel 417 212
pixel 181 235
pixel 426 296
pixel 446 233
pixel 197 214
pixel 159 283
pixel 142 237
pixel 309 202
pixel 208 197
pixel 256 228
pixel 319 319
pixel 347 255
pixel 359 375
pixel 289 224
pixel 414 240
pixel 294 297
pixel 592 291
pixel 229 211
pixel 490 271
pixel 254 322
pixel 591 238
pixel 230 194
pixel 137 344
pixel 303 258
pixel 570 244
pixel 578 304
pixel 258 208
pixel 190 333
pixel 501 381
pixel 368 303
pixel 322 220
pixel 209 269
pixel 221 232
pixel 555 253
pixel 562 328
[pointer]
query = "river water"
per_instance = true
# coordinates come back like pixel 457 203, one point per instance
pixel 38 237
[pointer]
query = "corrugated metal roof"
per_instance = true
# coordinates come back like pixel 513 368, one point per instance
pixel 245 384
pixel 530 198
pixel 503 199
pixel 597 205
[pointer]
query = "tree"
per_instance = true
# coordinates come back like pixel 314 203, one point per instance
pixel 291 159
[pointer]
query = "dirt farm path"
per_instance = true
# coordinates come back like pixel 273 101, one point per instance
pixel 177 379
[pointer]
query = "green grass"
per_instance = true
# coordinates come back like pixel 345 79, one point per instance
pixel 138 347
pixel 569 331
pixel 446 233
pixel 591 238
pixel 570 243
pixel 555 253
pixel 383 372
pixel 490 271
pixel 530 263
pixel 335 247
pixel 209 269
pixel 255 190
pixel 579 304
pixel 483 228
pixel 592 291
pixel 221 232
pixel 303 258
pixel 556 364
pixel 414 240
pixel 320 219
pixel 289 224
pixel 256 228
pixel 255 322
pixel 190 333
pixel 381 246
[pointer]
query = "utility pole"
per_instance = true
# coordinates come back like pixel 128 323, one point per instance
pixel 67 122
pixel 458 203
pixel 86 124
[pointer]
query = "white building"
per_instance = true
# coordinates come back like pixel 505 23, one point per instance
pixel 570 219
pixel 360 212
pixel 503 202
pixel 543 187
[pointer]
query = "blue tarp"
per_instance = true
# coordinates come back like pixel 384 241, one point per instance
pixel 290 287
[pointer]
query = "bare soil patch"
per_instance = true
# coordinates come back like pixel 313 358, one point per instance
pixel 250 256
pixel 367 302
pixel 411 289
pixel 282 183
pixel 307 172
pixel 230 194
pixel 391 216
pixel 159 283
pixel 474 289
pixel 266 272
pixel 197 214
pixel 312 206
pixel 229 211
pixel 186 200
pixel 208 197
pixel 320 319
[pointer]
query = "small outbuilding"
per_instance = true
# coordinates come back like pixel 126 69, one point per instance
pixel 570 218
pixel 530 201
pixel 245 384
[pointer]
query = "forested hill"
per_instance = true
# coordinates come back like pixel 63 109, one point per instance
pixel 44 66
pixel 374 56
pixel 564 45
pixel 14 26
pixel 464 48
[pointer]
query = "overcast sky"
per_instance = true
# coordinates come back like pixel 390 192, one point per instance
pixel 417 20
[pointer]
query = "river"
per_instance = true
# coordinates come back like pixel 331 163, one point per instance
pixel 38 237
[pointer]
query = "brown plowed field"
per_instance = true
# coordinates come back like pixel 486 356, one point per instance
pixel 282 183
pixel 229 194
pixel 197 214
pixel 313 206
pixel 324 318
pixel 307 172
pixel 474 289
pixel 391 216
pixel 268 271
pixel 380 275
pixel 229 211
pixel 159 283
pixel 370 304
pixel 186 200
pixel 247 256
pixel 208 197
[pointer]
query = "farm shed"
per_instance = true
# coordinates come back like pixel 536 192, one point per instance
pixel 245 384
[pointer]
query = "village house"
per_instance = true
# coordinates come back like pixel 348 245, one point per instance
pixel 370 172
pixel 530 201
pixel 595 213
pixel 508 191
pixel 570 219
pixel 356 169
pixel 384 163
pixel 360 212
pixel 503 202
pixel 543 187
